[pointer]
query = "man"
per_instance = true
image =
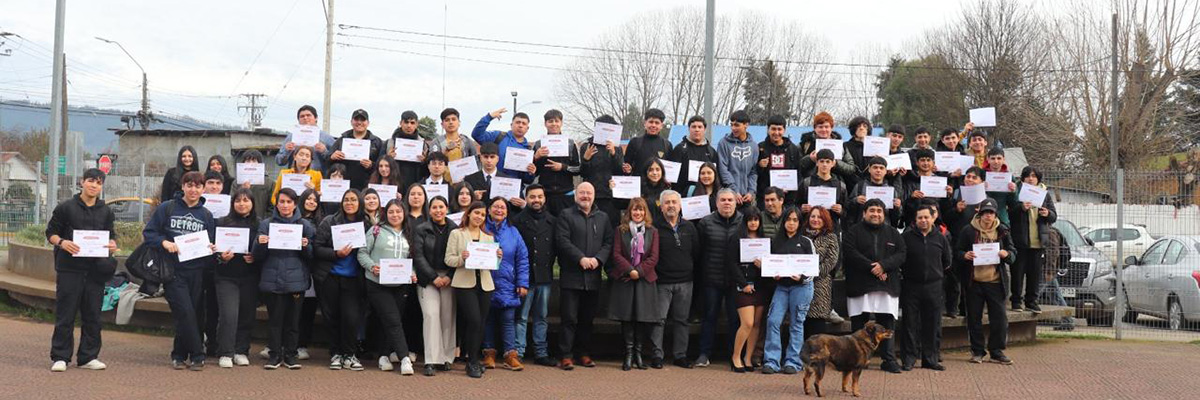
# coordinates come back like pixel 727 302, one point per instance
pixel 823 129
pixel 715 231
pixel 912 185
pixel 79 284
pixel 678 248
pixel 738 158
pixel 451 143
pixel 481 180
pixel 409 171
pixel 958 215
pixel 306 115
pixel 985 285
pixel 207 312
pixel 995 163
pixel 693 149
pixel 584 238
pixel 950 139
pixel 928 258
pixel 977 146
pixel 357 171
pixel 536 225
pixel 873 254
pixel 180 216
pixel 776 152
pixel 876 178
pixel 651 145
pixel 823 177
pixel 214 183
pixel 436 174
pixel 772 219
pixel 600 162
pixel 556 174
pixel 514 138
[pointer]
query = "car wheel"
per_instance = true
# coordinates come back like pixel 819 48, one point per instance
pixel 1130 315
pixel 1174 314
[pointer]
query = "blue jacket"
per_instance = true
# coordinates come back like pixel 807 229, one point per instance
pixel 514 267
pixel 739 164
pixel 182 220
pixel 506 140
pixel 284 271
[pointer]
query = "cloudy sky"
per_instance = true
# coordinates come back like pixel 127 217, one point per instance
pixel 200 55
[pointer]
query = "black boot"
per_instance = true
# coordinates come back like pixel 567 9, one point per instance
pixel 637 356
pixel 627 335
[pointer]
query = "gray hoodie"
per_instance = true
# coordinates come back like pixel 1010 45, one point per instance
pixel 737 167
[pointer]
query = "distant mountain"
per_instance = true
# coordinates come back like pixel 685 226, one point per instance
pixel 95 123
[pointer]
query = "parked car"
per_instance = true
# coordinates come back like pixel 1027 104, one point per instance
pixel 126 208
pixel 1165 282
pixel 1135 239
pixel 1086 282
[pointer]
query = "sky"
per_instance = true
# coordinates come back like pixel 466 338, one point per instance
pixel 199 56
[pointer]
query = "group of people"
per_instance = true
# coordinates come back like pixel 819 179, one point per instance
pixel 911 251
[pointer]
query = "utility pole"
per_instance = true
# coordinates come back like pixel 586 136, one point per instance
pixel 144 116
pixel 254 111
pixel 709 62
pixel 328 67
pixel 57 102
pixel 1119 187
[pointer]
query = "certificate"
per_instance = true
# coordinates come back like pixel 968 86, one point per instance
pixel 333 189
pixel 899 161
pixel 791 265
pixel 482 255
pixel 193 245
pixel 694 170
pixel 833 145
pixel 947 161
pixel 285 236
pixel 986 253
pixel 605 132
pixel 784 179
pixel 436 189
pixel 236 240
pixel 409 149
pixel 671 170
pixel 557 145
pixel 998 181
pixel 983 116
pixel 462 168
pixel 695 207
pixel 505 188
pixel 934 186
pixel 217 204
pixel 822 196
pixel 751 249
pixel 255 173
pixel 1032 194
pixel 966 162
pixel 348 234
pixel 876 146
pixel 456 217
pixel 91 243
pixel 306 135
pixel 296 182
pixel 627 187
pixel 356 149
pixel 886 194
pixel 517 159
pixel 395 271
pixel 973 194
pixel 386 192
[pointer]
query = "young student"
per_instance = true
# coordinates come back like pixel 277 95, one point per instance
pixel 436 174
pixel 650 145
pixel 434 294
pixel 336 172
pixel 556 174
pixel 708 185
pixel 370 206
pixel 216 163
pixel 391 239
pixel 236 279
pixel 180 216
pixel 823 129
pixel 472 287
pixel 385 174
pixel 1031 227
pixel 511 282
pixel 895 134
pixel 416 204
pixel 860 128
pixel 977 146
pixel 311 211
pixel 751 298
pixel 462 194
pixel 950 140
pixel 738 158
pixel 184 162
pixel 823 177
pixel 600 162
pixel 653 184
pixel 912 185
pixel 693 149
pixel 261 193
pixel 285 277
pixel 876 178
pixel 357 171
pixel 633 294
pixel 207 312
pixel 536 225
pixel 793 295
pixel 407 172
pixel 995 163
pixel 301 164
pixel 79 285
pixel 339 282
pixel 489 160
pixel 503 140
pixel 306 115
pixel 984 284
pixel 776 152
pixel 453 144
pixel 958 215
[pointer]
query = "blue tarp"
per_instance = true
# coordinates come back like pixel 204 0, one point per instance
pixel 759 132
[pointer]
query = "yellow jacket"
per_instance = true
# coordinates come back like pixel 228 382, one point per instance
pixel 313 175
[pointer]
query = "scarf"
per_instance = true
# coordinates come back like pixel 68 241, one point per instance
pixel 637 245
pixel 1035 241
pixel 987 234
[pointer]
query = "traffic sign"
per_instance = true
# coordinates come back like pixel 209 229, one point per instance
pixel 104 164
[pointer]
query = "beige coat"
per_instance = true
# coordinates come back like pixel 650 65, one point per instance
pixel 465 278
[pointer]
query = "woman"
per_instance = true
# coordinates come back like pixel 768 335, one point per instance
pixel 301 164
pixel 236 279
pixel 462 195
pixel 339 284
pixel 185 162
pixel 216 163
pixel 653 184
pixel 472 287
pixel 389 240
pixel 708 185
pixel 336 172
pixel 1031 226
pixel 792 297
pixel 435 295
pixel 820 230
pixel 370 204
pixel 753 293
pixel 416 204
pixel 860 128
pixel 385 173
pixel 633 296
pixel 512 284
pixel 284 279
pixel 311 211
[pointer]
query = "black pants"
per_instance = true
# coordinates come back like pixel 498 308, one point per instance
pixel 578 309
pixel 308 314
pixel 952 288
pixel 886 351
pixel 341 305
pixel 920 330
pixel 76 292
pixel 183 294
pixel 283 310
pixel 208 314
pixel 237 299
pixel 389 303
pixel 555 203
pixel 473 306
pixel 991 295
pixel 413 322
pixel 1027 275
pixel 814 326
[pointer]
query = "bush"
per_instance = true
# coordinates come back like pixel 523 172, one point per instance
pixel 129 236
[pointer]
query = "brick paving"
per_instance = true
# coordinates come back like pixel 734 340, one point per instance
pixel 1051 369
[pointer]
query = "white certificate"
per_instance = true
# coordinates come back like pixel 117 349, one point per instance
pixel 695 207
pixel 386 192
pixel 483 255
pixel 296 182
pixel 462 168
pixel 886 194
pixel 791 265
pixel 983 116
pixel 436 189
pixel 694 170
pixel 899 161
pixel 236 240
pixel 91 243
pixel 409 149
pixel 966 162
pixel 356 149
pixel 1032 194
pixel 934 186
pixel 671 170
pixel 557 145
pixel 505 188
pixel 947 161
pixel 605 132
pixel 285 236
pixel 986 253
pixel 627 187
pixel 333 189
pixel 822 196
pixel 751 249
pixel 876 146
pixel 306 135
pixel 784 179
pixel 255 173
pixel 217 204
pixel 456 217
pixel 517 159
pixel 395 271
pixel 193 245
pixel 833 145
pixel 973 194
pixel 348 234
pixel 998 181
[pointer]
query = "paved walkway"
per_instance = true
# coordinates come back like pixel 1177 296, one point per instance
pixel 1053 369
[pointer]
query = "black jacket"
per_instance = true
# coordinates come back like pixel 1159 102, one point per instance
pixel 429 251
pixel 964 243
pixel 324 254
pixel 237 267
pixel 784 156
pixel 537 230
pixel 578 236
pixel 684 153
pixel 601 168
pixel 678 248
pixel 715 232
pixel 833 182
pixel 928 257
pixel 478 182
pixel 72 214
pixel 1019 219
pixel 558 182
pixel 355 172
pixel 854 210
pixel 864 244
pixel 798 244
pixel 410 172
pixel 644 148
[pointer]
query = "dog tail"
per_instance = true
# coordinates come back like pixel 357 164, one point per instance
pixel 806 352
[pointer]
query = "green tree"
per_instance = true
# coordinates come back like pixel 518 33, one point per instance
pixel 765 90
pixel 32 144
pixel 427 128
pixel 924 92
pixel 631 122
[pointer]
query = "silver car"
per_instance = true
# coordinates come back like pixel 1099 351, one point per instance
pixel 1165 282
pixel 1086 282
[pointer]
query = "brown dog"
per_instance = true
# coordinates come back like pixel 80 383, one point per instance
pixel 848 354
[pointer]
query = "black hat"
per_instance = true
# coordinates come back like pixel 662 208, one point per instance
pixel 489 148
pixel 923 153
pixel 360 114
pixel 988 205
pixel 408 115
pixel 825 154
pixel 877 160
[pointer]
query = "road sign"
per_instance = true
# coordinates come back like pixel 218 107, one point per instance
pixel 62 165
pixel 104 164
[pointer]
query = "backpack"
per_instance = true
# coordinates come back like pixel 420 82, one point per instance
pixel 1058 254
pixel 150 262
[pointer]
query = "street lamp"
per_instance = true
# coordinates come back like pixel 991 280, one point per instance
pixel 527 104
pixel 514 95
pixel 144 115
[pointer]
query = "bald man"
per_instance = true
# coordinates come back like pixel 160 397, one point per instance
pixel 584 242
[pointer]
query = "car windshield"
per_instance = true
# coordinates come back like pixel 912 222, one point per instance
pixel 1069 233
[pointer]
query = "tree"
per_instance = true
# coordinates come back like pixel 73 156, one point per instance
pixel 427 128
pixel 31 144
pixel 925 92
pixel 765 92
pixel 1181 121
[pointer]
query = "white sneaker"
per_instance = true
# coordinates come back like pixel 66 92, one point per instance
pixel 94 365
pixel 302 353
pixel 834 318
pixel 265 353
pixel 241 360
pixel 385 364
pixel 412 356
pixel 335 362
pixel 351 363
pixel 59 366
pixel 406 366
pixel 225 362
pixel 393 357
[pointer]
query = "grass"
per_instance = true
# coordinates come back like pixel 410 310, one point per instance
pixel 1081 336
pixel 129 236
pixel 12 308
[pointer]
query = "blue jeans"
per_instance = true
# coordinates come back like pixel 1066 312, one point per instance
pixel 716 298
pixel 183 296
pixel 502 319
pixel 788 300
pixel 537 301
pixel 1051 293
